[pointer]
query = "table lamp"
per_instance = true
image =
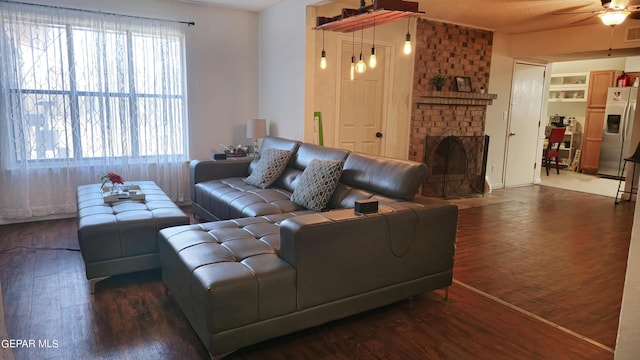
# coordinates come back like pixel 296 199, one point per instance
pixel 256 129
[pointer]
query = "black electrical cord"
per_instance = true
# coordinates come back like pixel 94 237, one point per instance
pixel 413 239
pixel 37 248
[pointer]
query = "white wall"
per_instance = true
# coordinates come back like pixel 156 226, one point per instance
pixel 633 64
pixel 609 63
pixel 282 68
pixel 628 341
pixel 496 125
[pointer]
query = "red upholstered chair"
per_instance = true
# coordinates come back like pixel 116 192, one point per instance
pixel 556 136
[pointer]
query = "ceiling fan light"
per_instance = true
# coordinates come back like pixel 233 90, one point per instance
pixel 615 17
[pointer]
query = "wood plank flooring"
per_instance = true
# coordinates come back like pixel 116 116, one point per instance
pixel 539 274
pixel 552 253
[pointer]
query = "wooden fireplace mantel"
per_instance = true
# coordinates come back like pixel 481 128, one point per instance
pixel 455 98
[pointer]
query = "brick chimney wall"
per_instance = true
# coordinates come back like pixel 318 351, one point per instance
pixel 452 50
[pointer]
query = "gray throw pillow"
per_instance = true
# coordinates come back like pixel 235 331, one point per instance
pixel 317 184
pixel 269 168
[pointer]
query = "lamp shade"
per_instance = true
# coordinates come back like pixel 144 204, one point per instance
pixel 615 17
pixel 256 128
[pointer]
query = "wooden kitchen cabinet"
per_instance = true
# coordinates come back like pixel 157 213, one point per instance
pixel 591 140
pixel 599 84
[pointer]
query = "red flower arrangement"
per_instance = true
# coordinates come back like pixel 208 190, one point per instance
pixel 111 176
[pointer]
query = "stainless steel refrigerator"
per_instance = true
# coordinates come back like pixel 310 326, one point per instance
pixel 616 136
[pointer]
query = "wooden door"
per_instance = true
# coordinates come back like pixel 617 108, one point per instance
pixel 599 83
pixel 361 104
pixel 527 92
pixel 592 140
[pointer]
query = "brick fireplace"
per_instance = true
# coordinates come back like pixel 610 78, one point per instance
pixel 458 117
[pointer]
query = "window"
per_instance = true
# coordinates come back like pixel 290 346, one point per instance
pixel 80 91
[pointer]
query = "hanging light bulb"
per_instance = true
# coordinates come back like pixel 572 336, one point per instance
pixel 352 71
pixel 323 60
pixel 323 56
pixel 373 61
pixel 361 67
pixel 407 42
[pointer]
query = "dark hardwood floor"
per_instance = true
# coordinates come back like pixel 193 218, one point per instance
pixel 538 275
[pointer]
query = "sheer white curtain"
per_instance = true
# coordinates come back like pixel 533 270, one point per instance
pixel 81 94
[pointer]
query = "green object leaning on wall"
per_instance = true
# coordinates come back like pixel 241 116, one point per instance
pixel 317 118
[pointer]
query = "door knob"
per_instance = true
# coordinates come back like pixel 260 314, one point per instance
pixel 512 134
pixel 378 134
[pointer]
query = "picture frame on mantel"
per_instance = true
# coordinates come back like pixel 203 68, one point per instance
pixel 463 83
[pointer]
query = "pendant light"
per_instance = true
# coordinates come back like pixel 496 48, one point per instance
pixel 361 67
pixel 352 72
pixel 323 57
pixel 373 61
pixel 407 42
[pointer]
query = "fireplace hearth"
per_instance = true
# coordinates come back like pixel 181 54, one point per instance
pixel 456 166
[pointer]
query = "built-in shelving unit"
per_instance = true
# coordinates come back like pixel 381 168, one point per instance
pixel 569 87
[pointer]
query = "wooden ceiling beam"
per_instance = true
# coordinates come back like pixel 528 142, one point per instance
pixel 380 12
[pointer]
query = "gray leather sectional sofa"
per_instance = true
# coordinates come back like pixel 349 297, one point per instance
pixel 267 266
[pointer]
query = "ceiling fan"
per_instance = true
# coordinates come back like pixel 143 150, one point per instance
pixel 612 13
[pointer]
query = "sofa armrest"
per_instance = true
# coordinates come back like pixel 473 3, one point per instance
pixel 205 170
pixel 339 254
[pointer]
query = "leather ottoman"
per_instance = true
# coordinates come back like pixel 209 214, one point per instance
pixel 122 236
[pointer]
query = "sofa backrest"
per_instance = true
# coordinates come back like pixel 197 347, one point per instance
pixel 301 158
pixel 272 142
pixel 363 176
pixel 376 177
pixel 280 143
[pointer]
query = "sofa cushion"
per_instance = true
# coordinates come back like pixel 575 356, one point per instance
pixel 233 198
pixel 301 159
pixel 317 183
pixel 271 164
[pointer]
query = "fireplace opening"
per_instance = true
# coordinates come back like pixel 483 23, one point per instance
pixel 450 157
pixel 456 166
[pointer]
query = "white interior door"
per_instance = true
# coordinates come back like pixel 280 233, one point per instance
pixel 361 103
pixel 526 113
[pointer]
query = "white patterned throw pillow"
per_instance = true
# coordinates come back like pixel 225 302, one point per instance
pixel 269 168
pixel 317 184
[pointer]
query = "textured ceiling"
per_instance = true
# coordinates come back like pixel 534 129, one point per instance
pixel 507 16
pixel 251 5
